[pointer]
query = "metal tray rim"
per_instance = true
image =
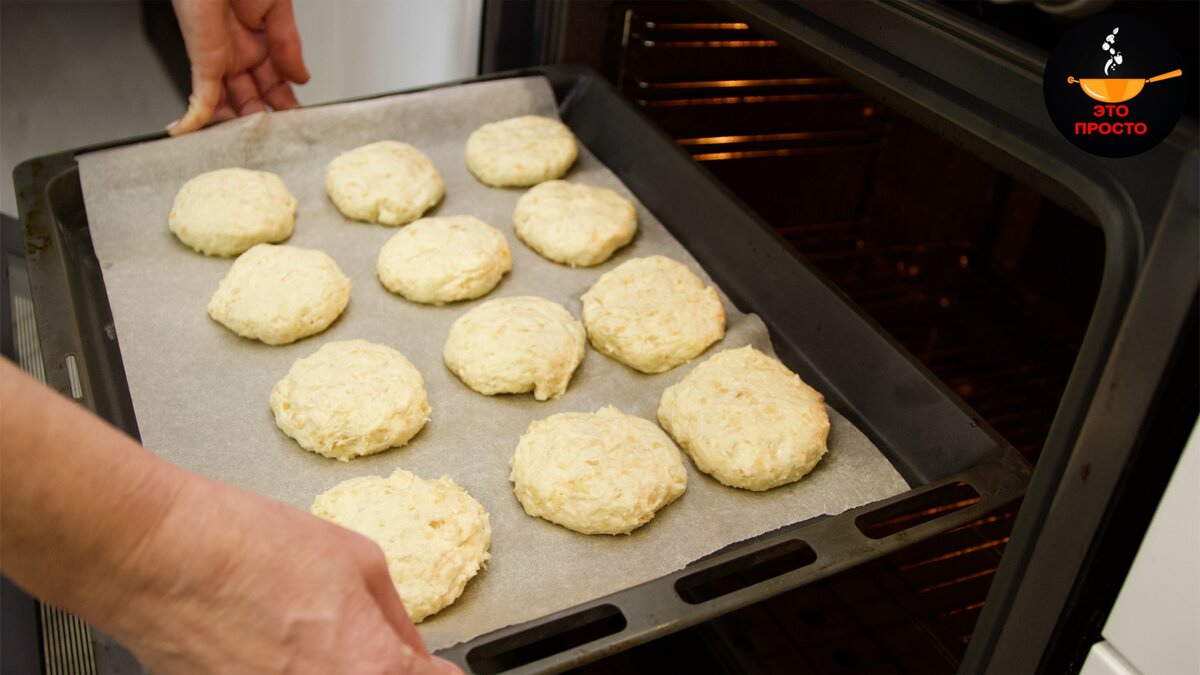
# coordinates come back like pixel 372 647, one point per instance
pixel 999 478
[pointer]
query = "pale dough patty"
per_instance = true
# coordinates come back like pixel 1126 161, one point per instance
pixel 596 473
pixel 440 260
pixel 225 212
pixel 350 399
pixel 652 314
pixel 434 535
pixel 521 151
pixel 747 420
pixel 388 182
pixel 514 345
pixel 279 294
pixel 572 224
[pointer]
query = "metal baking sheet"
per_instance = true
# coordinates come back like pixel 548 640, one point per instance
pixel 200 392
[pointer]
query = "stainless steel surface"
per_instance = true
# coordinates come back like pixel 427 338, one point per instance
pixel 66 640
pixel 66 643
pixel 74 73
pixel 29 349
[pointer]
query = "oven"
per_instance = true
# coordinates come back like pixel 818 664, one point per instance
pixel 903 152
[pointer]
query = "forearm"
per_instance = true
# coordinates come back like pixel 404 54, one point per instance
pixel 79 498
pixel 192 575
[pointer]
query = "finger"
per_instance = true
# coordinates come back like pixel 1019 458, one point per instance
pixel 202 25
pixel 434 666
pixel 251 13
pixel 283 42
pixel 277 20
pixel 242 94
pixel 277 93
pixel 206 96
pixel 247 47
pixel 379 585
pixel 445 667
pixel 223 113
pixel 401 658
pixel 381 648
pixel 404 660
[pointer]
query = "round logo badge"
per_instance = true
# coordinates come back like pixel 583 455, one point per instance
pixel 1115 86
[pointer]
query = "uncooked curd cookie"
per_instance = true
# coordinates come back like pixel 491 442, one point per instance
pixel 351 398
pixel 388 182
pixel 279 294
pixel 747 420
pixel 596 473
pixel 225 212
pixel 440 260
pixel 434 536
pixel 515 345
pixel 652 314
pixel 521 151
pixel 574 224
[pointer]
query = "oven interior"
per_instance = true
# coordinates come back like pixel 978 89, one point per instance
pixel 986 282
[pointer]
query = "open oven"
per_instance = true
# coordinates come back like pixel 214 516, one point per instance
pixel 902 157
pixel 905 151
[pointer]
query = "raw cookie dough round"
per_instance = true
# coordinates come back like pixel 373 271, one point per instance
pixel 434 535
pixel 521 151
pixel 279 294
pixel 514 345
pixel 351 398
pixel 652 314
pixel 388 182
pixel 747 420
pixel 576 225
pixel 596 473
pixel 440 260
pixel 225 212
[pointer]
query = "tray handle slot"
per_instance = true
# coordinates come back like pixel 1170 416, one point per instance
pixel 920 508
pixel 745 571
pixel 554 637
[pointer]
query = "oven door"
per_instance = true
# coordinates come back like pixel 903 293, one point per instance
pixel 1131 397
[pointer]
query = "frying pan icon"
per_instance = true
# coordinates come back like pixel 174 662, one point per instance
pixel 1117 89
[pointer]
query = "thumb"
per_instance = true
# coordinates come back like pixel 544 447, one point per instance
pixel 206 95
pixel 383 592
pixel 444 667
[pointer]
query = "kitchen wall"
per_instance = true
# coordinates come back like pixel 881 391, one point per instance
pixel 362 47
pixel 78 73
pixel 73 74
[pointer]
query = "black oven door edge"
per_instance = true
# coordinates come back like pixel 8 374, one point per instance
pixel 982 90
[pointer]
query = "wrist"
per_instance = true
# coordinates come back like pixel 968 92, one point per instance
pixel 139 556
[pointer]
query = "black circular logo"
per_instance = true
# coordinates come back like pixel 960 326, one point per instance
pixel 1115 86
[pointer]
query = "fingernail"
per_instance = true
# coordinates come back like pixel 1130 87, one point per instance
pixel 174 124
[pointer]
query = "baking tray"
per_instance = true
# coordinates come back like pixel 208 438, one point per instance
pixel 936 443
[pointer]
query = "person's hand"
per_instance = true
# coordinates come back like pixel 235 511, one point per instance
pixel 244 54
pixel 189 574
pixel 231 581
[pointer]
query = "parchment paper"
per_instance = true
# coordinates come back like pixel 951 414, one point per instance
pixel 200 392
